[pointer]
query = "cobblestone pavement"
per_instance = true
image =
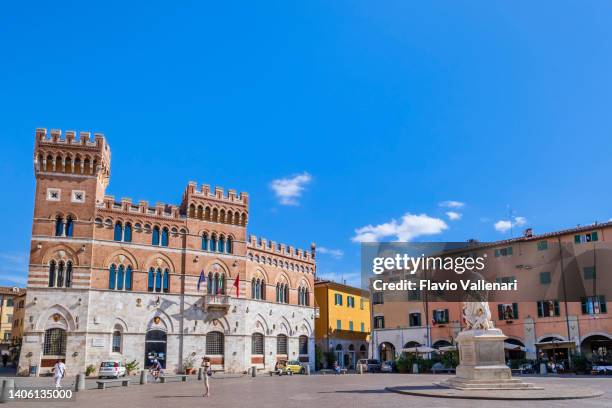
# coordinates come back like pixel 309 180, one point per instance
pixel 317 391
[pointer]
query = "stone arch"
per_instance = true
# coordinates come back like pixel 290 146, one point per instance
pixel 115 257
pixel 46 321
pixel 121 323
pixel 305 283
pixel 220 324
pixel 539 339
pixel 305 328
pixel 260 273
pixel 260 325
pixel 165 322
pixel 60 251
pixel 604 334
pixel 154 262
pixel 217 265
pixel 283 326
pixel 285 276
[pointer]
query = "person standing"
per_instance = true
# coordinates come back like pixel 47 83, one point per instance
pixel 207 373
pixel 59 371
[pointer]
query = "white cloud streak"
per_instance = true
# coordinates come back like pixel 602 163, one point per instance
pixel 409 227
pixel 452 204
pixel 334 253
pixel 289 189
pixel 453 215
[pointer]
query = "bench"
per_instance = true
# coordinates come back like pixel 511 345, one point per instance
pixel 330 371
pixel 162 378
pixel 102 383
pixel 442 370
pixel 272 372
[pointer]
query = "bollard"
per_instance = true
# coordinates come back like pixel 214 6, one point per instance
pixel 307 372
pixel 79 384
pixel 7 386
pixel 543 368
pixel 143 377
pixel 360 368
pixel 253 371
pixel 200 376
pixel 415 368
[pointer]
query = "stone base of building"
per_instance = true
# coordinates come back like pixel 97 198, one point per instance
pixel 482 363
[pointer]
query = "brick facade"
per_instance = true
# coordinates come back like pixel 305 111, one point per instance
pixel 79 234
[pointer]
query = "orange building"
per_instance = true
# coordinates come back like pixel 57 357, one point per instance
pixel 540 320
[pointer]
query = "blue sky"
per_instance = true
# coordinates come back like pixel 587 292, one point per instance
pixel 368 115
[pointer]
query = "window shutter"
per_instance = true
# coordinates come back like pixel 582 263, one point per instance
pixel 557 309
pixel 603 308
pixel 594 236
pixel 445 315
pixel 500 311
pixel 515 310
pixel 584 305
pixel 540 308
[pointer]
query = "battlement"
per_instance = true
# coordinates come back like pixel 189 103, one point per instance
pixel 272 247
pixel 68 154
pixel 142 207
pixel 218 194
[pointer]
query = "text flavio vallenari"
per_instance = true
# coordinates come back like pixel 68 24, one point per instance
pixel 427 284
pixel 457 264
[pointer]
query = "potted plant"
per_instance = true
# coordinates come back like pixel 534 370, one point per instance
pixel 131 367
pixel 188 365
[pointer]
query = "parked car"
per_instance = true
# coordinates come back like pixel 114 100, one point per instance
pixel 386 367
pixel 112 369
pixel 370 365
pixel 292 367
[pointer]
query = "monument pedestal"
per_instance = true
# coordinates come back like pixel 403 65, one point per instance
pixel 482 363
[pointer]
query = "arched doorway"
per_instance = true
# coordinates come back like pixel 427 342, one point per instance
pixel 155 347
pixel 554 348
pixel 386 351
pixel 597 348
pixel 441 343
pixel 514 349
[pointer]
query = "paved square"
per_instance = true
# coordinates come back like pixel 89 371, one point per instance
pixel 319 391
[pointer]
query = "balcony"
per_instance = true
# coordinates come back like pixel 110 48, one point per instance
pixel 215 303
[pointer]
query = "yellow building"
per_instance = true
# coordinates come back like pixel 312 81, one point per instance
pixel 7 300
pixel 343 322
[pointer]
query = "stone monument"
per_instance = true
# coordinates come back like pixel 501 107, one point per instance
pixel 482 364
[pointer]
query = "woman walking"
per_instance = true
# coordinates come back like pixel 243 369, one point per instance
pixel 207 373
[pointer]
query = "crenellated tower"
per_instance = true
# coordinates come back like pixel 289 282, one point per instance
pixel 71 173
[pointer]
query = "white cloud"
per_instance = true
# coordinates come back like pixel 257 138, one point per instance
pixel 289 189
pixel 410 227
pixel 451 204
pixel 518 221
pixel 505 225
pixel 453 215
pixel 334 253
pixel 502 225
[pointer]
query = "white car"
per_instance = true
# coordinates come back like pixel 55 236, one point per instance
pixel 112 369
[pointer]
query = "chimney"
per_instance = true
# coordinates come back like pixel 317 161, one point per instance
pixel 528 233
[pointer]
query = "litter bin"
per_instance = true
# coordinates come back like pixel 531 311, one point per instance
pixel 33 370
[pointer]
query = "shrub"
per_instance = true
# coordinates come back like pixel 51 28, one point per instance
pixel 89 370
pixel 131 366
pixel 450 359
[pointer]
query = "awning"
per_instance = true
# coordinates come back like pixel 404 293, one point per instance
pixel 447 348
pixel 420 349
pixel 510 346
pixel 547 345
